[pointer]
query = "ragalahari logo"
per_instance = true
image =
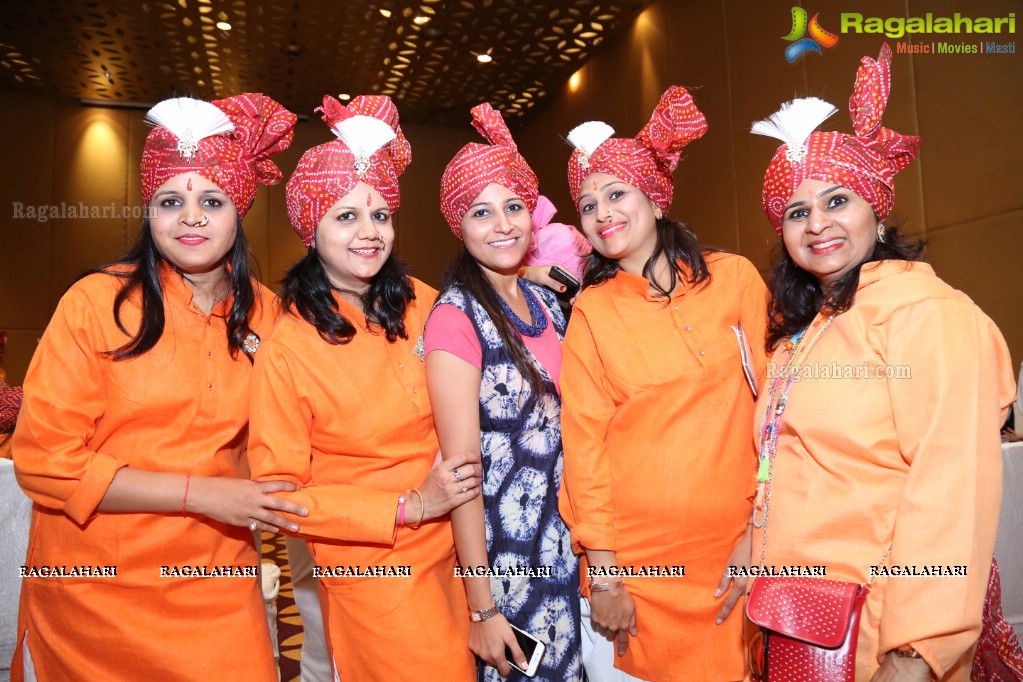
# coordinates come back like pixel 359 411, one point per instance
pixel 819 37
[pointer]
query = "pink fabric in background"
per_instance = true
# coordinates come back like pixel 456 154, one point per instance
pixel 556 243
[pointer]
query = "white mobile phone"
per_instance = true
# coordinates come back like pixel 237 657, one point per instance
pixel 531 647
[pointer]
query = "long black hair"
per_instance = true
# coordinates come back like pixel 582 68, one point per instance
pixel 466 272
pixel 143 275
pixel 307 289
pixel 676 242
pixel 797 295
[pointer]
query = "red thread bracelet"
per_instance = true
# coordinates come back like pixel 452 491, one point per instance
pixel 184 501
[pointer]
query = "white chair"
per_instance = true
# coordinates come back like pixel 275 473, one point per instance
pixel 1009 545
pixel 15 516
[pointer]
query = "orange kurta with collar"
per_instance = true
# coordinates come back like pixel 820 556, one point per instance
pixel 659 465
pixel 181 407
pixel 918 454
pixel 353 426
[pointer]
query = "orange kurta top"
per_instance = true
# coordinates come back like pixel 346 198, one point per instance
pixel 352 424
pixel 917 453
pixel 659 465
pixel 181 407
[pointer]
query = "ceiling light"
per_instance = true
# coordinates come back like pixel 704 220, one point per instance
pixel 421 20
pixel 484 58
pixel 385 13
pixel 223 26
pixel 344 97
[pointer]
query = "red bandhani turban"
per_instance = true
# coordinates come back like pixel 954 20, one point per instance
pixel 370 148
pixel 10 404
pixel 865 162
pixel 477 165
pixel 229 142
pixel 645 161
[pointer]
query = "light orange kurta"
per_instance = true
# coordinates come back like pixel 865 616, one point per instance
pixel 659 465
pixel 918 453
pixel 181 407
pixel 352 424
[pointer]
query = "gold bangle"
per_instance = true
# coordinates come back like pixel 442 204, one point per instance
pixel 422 509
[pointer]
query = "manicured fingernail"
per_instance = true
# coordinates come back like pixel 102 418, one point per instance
pixel 293 527
pixel 561 288
pixel 719 621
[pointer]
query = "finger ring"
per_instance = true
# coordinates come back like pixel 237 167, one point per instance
pixel 464 489
pixel 252 525
pixel 458 474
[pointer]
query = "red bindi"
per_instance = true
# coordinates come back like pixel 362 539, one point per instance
pixel 369 199
pixel 594 185
pixel 189 185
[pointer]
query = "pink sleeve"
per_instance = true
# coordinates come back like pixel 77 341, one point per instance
pixel 449 329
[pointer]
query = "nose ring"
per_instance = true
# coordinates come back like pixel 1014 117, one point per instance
pixel 610 215
pixel 202 222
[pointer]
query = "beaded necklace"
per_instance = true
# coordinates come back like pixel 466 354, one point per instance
pixel 777 400
pixel 538 320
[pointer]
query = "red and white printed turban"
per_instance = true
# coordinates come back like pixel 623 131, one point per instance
pixel 646 161
pixel 229 142
pixel 370 148
pixel 477 165
pixel 866 162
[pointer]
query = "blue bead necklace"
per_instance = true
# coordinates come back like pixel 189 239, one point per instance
pixel 538 320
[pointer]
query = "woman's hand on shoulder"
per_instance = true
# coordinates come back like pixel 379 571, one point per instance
pixel 451 483
pixel 241 502
pixel 488 639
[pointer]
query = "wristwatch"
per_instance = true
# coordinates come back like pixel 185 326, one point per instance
pixel 484 614
pixel 907 651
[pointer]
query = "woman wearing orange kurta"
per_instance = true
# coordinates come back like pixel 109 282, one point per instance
pixel 658 462
pixel 882 456
pixel 340 407
pixel 132 433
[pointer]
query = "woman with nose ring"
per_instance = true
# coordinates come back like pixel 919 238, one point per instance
pixel 132 433
pixel 340 408
pixel 892 466
pixel 493 363
pixel 661 364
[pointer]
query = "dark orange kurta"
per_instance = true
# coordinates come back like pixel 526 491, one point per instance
pixel 907 455
pixel 181 407
pixel 352 424
pixel 659 464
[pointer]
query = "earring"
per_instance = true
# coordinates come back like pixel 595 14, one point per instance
pixel 880 232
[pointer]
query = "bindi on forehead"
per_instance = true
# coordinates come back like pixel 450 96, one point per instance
pixel 189 185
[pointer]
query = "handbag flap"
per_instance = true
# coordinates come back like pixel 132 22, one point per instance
pixel 812 610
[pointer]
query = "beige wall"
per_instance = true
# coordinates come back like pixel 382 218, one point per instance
pixel 964 193
pixel 64 152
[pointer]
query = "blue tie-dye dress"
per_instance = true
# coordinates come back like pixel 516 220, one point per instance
pixel 522 464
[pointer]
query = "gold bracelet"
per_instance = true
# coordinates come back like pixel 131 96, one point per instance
pixel 422 509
